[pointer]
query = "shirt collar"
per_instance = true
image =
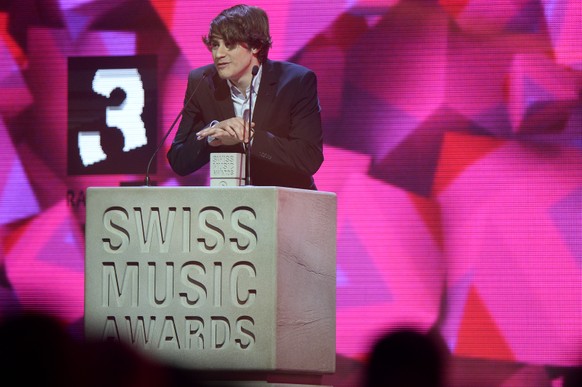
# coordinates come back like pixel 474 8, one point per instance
pixel 235 92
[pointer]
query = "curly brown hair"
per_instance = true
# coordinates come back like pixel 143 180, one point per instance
pixel 241 24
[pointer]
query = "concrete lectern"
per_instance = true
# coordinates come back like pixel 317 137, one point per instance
pixel 233 280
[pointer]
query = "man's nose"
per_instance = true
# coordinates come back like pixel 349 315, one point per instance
pixel 220 50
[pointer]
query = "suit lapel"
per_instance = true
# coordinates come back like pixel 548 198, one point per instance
pixel 222 98
pixel 266 95
pixel 265 98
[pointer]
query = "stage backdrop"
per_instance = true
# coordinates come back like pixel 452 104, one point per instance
pixel 453 139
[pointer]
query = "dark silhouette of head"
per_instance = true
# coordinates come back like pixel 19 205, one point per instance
pixel 407 358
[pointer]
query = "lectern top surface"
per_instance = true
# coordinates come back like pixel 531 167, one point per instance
pixel 205 188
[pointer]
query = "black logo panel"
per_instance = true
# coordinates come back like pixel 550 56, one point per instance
pixel 112 114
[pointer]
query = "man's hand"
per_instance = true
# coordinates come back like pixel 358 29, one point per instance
pixel 228 132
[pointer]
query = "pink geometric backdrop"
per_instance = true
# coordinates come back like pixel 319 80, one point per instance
pixel 453 139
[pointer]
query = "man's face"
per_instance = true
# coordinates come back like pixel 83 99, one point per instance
pixel 233 62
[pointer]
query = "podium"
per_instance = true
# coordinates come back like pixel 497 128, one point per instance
pixel 232 279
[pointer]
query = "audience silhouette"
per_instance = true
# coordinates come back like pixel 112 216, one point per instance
pixel 37 350
pixel 406 357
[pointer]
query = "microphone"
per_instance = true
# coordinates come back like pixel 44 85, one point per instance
pixel 254 72
pixel 147 175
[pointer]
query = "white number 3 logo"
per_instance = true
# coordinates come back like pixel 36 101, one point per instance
pixel 126 117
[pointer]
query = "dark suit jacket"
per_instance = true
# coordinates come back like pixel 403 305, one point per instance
pixel 287 148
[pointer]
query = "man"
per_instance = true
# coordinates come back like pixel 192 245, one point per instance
pixel 285 135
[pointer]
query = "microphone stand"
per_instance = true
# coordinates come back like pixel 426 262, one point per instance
pixel 248 146
pixel 147 174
